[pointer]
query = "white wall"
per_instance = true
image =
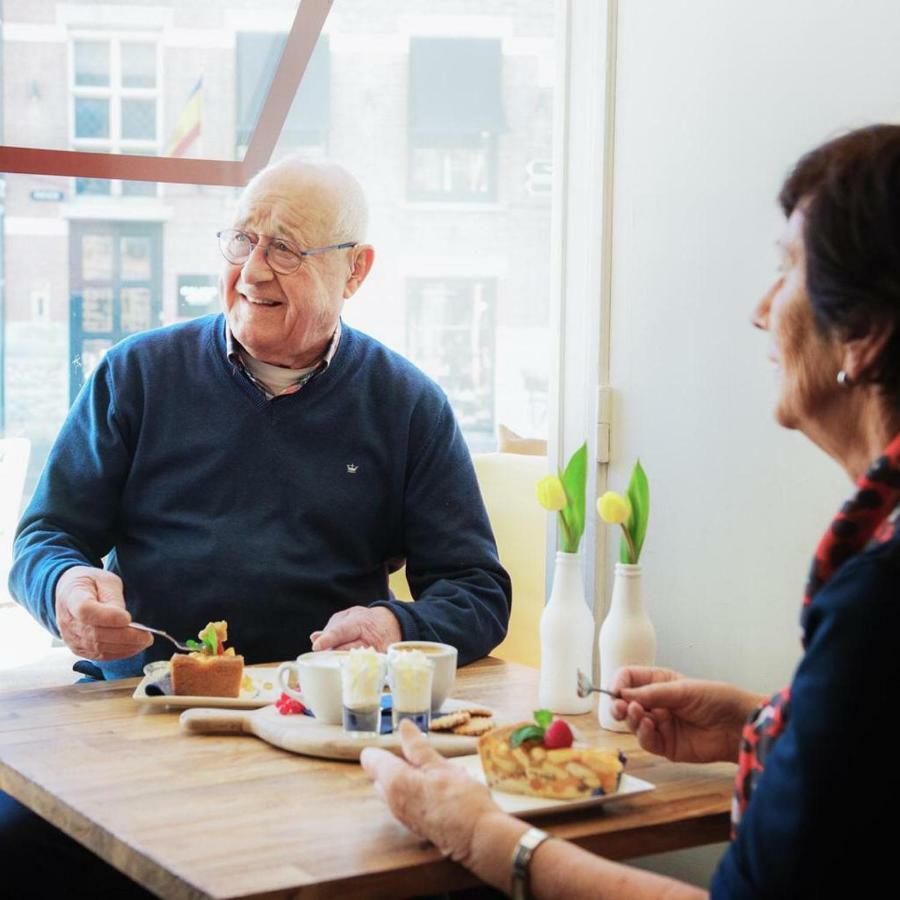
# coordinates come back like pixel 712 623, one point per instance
pixel 715 101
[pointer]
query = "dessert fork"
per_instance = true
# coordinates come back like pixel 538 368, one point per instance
pixel 184 648
pixel 585 687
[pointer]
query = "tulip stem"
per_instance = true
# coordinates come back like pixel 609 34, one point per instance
pixel 566 536
pixel 631 554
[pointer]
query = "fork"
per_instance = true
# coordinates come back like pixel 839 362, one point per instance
pixel 168 637
pixel 585 687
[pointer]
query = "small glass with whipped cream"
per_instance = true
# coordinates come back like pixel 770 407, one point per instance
pixel 410 673
pixel 363 673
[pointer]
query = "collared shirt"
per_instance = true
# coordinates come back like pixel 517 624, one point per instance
pixel 234 350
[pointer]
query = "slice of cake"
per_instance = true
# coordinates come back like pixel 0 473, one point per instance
pixel 210 670
pixel 515 759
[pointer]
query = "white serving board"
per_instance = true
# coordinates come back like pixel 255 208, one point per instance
pixel 305 735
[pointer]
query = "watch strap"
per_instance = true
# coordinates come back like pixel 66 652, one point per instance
pixel 521 859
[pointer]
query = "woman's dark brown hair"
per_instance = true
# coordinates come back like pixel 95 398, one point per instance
pixel 850 191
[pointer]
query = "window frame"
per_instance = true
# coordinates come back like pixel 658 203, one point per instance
pixel 115 93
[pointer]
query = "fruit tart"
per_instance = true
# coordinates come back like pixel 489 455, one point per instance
pixel 539 758
pixel 209 670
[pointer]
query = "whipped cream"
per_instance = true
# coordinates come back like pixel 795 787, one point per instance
pixel 362 678
pixel 411 674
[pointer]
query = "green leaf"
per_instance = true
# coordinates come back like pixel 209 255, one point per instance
pixel 574 480
pixel 639 497
pixel 543 717
pixel 190 642
pixel 526 733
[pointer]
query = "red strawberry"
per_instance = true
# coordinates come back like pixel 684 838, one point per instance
pixel 557 735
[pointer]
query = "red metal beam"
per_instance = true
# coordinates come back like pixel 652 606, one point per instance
pixel 301 41
pixel 31 160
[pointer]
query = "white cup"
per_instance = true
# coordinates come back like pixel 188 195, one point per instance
pixel 319 675
pixel 444 658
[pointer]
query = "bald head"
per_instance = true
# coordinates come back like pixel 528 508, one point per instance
pixel 311 201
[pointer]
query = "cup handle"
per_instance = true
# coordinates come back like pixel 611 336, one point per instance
pixel 283 673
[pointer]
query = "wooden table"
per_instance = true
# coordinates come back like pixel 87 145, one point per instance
pixel 231 816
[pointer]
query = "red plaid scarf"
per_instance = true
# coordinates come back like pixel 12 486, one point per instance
pixel 863 519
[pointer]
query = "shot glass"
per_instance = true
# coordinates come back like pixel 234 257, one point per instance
pixel 410 676
pixel 362 680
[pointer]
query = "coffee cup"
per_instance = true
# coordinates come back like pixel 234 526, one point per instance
pixel 319 675
pixel 444 658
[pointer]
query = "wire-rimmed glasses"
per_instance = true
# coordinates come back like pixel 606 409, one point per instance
pixel 283 257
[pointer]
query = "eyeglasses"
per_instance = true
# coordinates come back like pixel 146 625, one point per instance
pixel 281 255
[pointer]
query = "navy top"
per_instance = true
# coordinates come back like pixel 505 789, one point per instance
pixel 213 502
pixel 824 810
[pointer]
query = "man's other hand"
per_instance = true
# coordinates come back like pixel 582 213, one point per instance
pixel 359 626
pixel 91 615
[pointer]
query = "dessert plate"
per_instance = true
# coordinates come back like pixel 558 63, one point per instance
pixel 265 690
pixel 522 804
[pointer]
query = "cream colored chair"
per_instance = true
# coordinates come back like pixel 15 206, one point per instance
pixel 507 482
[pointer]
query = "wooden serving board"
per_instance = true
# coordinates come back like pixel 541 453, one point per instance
pixel 306 735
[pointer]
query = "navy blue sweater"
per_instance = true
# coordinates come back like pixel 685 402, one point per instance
pixel 822 819
pixel 212 502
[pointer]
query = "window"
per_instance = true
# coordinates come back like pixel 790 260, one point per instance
pixel 450 331
pixel 307 121
pixel 455 115
pixel 115 105
pixel 115 288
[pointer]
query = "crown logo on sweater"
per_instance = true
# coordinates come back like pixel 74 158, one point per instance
pixel 351 468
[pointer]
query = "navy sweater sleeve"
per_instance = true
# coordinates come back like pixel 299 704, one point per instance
pixel 824 807
pixel 462 593
pixel 71 518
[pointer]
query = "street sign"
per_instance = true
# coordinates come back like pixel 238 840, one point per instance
pixel 46 195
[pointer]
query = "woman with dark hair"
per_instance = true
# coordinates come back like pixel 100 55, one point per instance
pixel 816 788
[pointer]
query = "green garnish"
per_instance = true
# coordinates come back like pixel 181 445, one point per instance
pixel 193 644
pixel 526 733
pixel 543 717
pixel 211 640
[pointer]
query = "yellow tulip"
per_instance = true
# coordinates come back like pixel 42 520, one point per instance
pixel 551 494
pixel 613 508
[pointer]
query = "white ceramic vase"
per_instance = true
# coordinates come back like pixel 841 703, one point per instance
pixel 627 636
pixel 567 639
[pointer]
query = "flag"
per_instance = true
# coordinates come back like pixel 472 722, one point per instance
pixel 187 128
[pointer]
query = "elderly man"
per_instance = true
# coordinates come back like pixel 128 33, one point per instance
pixel 267 466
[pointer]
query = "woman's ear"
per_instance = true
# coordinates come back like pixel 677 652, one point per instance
pixel 861 354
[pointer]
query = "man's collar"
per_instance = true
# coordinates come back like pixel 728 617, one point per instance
pixel 233 348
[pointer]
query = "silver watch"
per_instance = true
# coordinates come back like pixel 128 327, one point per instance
pixel 528 843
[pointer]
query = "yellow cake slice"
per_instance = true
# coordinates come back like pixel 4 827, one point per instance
pixel 564 773
pixel 207 674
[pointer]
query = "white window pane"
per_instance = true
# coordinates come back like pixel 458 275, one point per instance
pixel 91 118
pixel 139 119
pixel 138 65
pixel 91 63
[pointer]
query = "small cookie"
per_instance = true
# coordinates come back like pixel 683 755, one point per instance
pixel 450 721
pixel 476 711
pixel 475 727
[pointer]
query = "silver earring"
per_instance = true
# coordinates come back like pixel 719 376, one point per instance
pixel 844 380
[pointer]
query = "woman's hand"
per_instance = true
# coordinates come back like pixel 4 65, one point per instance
pixel 683 719
pixel 430 796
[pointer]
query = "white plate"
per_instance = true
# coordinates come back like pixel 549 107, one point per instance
pixel 522 804
pixel 265 690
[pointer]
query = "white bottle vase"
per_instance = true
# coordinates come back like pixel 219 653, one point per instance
pixel 627 637
pixel 567 639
